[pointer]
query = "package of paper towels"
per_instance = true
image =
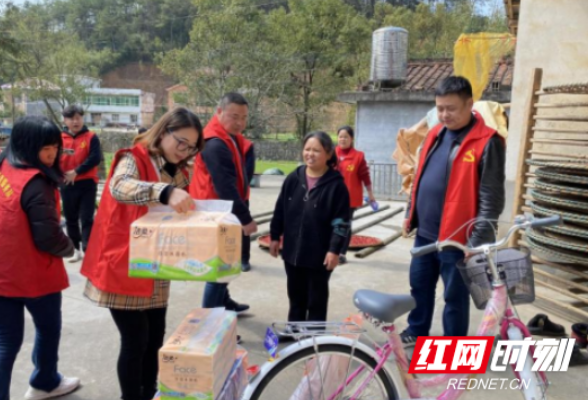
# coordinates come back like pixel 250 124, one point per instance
pixel 201 245
pixel 195 362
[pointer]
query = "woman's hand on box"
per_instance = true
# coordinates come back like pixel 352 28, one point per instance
pixel 181 201
pixel 275 248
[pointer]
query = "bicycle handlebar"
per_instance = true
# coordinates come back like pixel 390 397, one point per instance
pixel 520 223
pixel 423 250
pixel 548 221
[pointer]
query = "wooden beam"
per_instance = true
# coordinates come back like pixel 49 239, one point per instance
pixel 526 144
pixel 564 283
pixel 509 9
pixel 263 214
pixel 564 268
pixel 564 118
pixel 542 93
pixel 377 221
pixel 565 310
pixel 259 234
pixel 370 213
pixel 560 105
pixel 263 220
pixel 559 132
pixel 563 291
pixel 369 250
pixel 562 142
pixel 548 154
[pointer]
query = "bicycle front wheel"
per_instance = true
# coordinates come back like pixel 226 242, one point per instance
pixel 332 371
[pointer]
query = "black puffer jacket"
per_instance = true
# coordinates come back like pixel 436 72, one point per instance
pixel 39 204
pixel 313 222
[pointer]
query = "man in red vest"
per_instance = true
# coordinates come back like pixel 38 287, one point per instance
pixel 79 161
pixel 220 172
pixel 460 178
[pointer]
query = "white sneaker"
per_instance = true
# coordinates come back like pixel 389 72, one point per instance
pixel 67 385
pixel 76 257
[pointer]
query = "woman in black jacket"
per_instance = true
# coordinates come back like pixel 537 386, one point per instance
pixel 312 214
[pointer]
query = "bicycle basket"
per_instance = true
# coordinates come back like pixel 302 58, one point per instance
pixel 514 267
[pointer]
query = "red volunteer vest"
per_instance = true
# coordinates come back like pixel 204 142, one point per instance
pixel 106 263
pixel 25 271
pixel 461 198
pixel 80 144
pixel 348 166
pixel 201 186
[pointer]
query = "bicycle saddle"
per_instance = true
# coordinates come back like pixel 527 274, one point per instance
pixel 382 306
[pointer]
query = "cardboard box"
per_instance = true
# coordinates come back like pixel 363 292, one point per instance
pixel 196 360
pixel 203 245
pixel 236 382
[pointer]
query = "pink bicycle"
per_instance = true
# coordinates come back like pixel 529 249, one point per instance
pixel 329 362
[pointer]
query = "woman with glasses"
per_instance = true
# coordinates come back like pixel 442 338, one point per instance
pixel 154 171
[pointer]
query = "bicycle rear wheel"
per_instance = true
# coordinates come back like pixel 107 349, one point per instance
pixel 317 375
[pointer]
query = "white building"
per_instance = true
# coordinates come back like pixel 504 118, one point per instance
pixel 106 106
pixel 103 106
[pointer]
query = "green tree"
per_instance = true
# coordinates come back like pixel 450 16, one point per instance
pixel 315 37
pixel 434 27
pixel 53 65
pixel 228 52
pixel 132 30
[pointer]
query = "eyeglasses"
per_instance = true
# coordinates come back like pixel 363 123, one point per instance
pixel 182 145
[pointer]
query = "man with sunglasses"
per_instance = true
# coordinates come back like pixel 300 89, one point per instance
pixel 220 172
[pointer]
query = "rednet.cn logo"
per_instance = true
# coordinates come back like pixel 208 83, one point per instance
pixel 471 355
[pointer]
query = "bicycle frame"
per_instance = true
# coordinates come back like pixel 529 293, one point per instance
pixel 498 313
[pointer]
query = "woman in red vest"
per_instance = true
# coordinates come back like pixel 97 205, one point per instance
pixel 32 245
pixel 154 171
pixel 356 173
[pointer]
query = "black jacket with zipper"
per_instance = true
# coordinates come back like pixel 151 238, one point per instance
pixel 313 222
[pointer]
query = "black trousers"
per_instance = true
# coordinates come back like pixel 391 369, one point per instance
pixel 79 205
pixel 308 292
pixel 346 244
pixel 246 246
pixel 246 249
pixel 141 334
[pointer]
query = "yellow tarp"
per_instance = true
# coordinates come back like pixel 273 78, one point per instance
pixel 476 54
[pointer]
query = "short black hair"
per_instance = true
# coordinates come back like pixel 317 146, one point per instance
pixel 29 135
pixel 142 130
pixel 233 98
pixel 455 85
pixel 71 110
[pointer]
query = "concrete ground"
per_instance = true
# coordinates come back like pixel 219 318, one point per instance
pixel 90 342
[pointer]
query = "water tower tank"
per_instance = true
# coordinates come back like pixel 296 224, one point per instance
pixel 389 57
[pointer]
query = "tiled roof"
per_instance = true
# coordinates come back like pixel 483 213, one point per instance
pixel 425 75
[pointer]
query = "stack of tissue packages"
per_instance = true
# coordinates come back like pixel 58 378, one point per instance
pixel 195 362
